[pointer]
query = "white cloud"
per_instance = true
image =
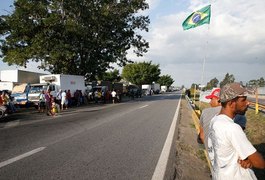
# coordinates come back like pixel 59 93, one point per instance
pixel 236 40
pixel 234 43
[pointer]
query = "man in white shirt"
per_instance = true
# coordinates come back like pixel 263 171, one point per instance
pixel 231 154
pixel 113 94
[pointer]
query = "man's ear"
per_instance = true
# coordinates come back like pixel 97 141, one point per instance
pixel 230 103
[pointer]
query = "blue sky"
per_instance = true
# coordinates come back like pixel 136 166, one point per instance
pixel 233 43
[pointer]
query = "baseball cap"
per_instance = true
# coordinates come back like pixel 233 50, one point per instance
pixel 231 91
pixel 214 94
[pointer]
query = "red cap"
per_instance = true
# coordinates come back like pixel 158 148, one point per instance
pixel 215 94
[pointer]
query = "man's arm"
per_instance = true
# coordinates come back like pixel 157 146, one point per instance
pixel 257 160
pixel 201 134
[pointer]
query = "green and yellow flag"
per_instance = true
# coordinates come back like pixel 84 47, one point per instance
pixel 198 18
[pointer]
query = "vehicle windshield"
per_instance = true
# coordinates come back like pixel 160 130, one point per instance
pixel 19 88
pixel 36 89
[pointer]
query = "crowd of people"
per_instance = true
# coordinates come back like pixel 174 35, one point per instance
pixel 61 101
pixel 222 126
pixel 64 99
pixel 105 96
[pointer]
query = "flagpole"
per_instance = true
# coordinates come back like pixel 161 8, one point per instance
pixel 204 60
pixel 205 55
pixel 206 48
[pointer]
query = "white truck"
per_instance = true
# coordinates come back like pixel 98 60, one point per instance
pixel 146 89
pixel 55 82
pixel 156 88
pixel 20 76
pixel 164 89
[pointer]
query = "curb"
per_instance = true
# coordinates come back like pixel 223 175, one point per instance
pixel 196 121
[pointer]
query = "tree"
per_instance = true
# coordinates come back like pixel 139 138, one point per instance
pixel 73 37
pixel 165 80
pixel 212 83
pixel 195 86
pixel 227 79
pixel 112 76
pixel 141 73
pixel 261 82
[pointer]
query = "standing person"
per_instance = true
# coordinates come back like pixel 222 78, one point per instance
pixel 241 120
pixel 1 100
pixel 48 103
pixel 64 101
pixel 209 113
pixel 55 108
pixel 77 97
pixel 113 95
pixel 59 97
pixel 69 98
pixel 99 95
pixel 41 104
pixel 103 95
pixel 231 154
pixel 6 100
pixel 96 96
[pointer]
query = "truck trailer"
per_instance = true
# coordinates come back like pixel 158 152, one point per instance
pixel 20 76
pixel 6 85
pixel 55 83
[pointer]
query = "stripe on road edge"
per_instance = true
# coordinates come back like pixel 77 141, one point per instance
pixel 160 169
pixel 9 161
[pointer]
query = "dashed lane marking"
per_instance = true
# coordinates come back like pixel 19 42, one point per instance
pixel 9 161
pixel 142 106
pixel 12 124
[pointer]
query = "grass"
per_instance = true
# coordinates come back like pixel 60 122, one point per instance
pixel 192 125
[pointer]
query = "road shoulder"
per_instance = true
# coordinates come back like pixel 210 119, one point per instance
pixel 190 161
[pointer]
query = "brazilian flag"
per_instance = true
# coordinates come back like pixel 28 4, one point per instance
pixel 198 18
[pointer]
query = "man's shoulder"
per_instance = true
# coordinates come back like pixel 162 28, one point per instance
pixel 225 123
pixel 211 111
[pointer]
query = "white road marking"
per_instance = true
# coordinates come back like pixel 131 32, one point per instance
pixel 161 165
pixel 9 161
pixel 142 106
pixel 12 124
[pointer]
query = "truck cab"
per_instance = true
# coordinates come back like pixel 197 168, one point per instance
pixel 20 94
pixel 36 90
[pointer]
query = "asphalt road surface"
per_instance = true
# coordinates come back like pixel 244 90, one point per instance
pixel 114 141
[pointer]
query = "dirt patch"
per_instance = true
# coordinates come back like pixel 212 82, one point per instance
pixel 190 161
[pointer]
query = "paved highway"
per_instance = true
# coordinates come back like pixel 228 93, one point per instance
pixel 115 141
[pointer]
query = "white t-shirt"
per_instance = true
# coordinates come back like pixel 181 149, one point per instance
pixel 113 94
pixel 226 144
